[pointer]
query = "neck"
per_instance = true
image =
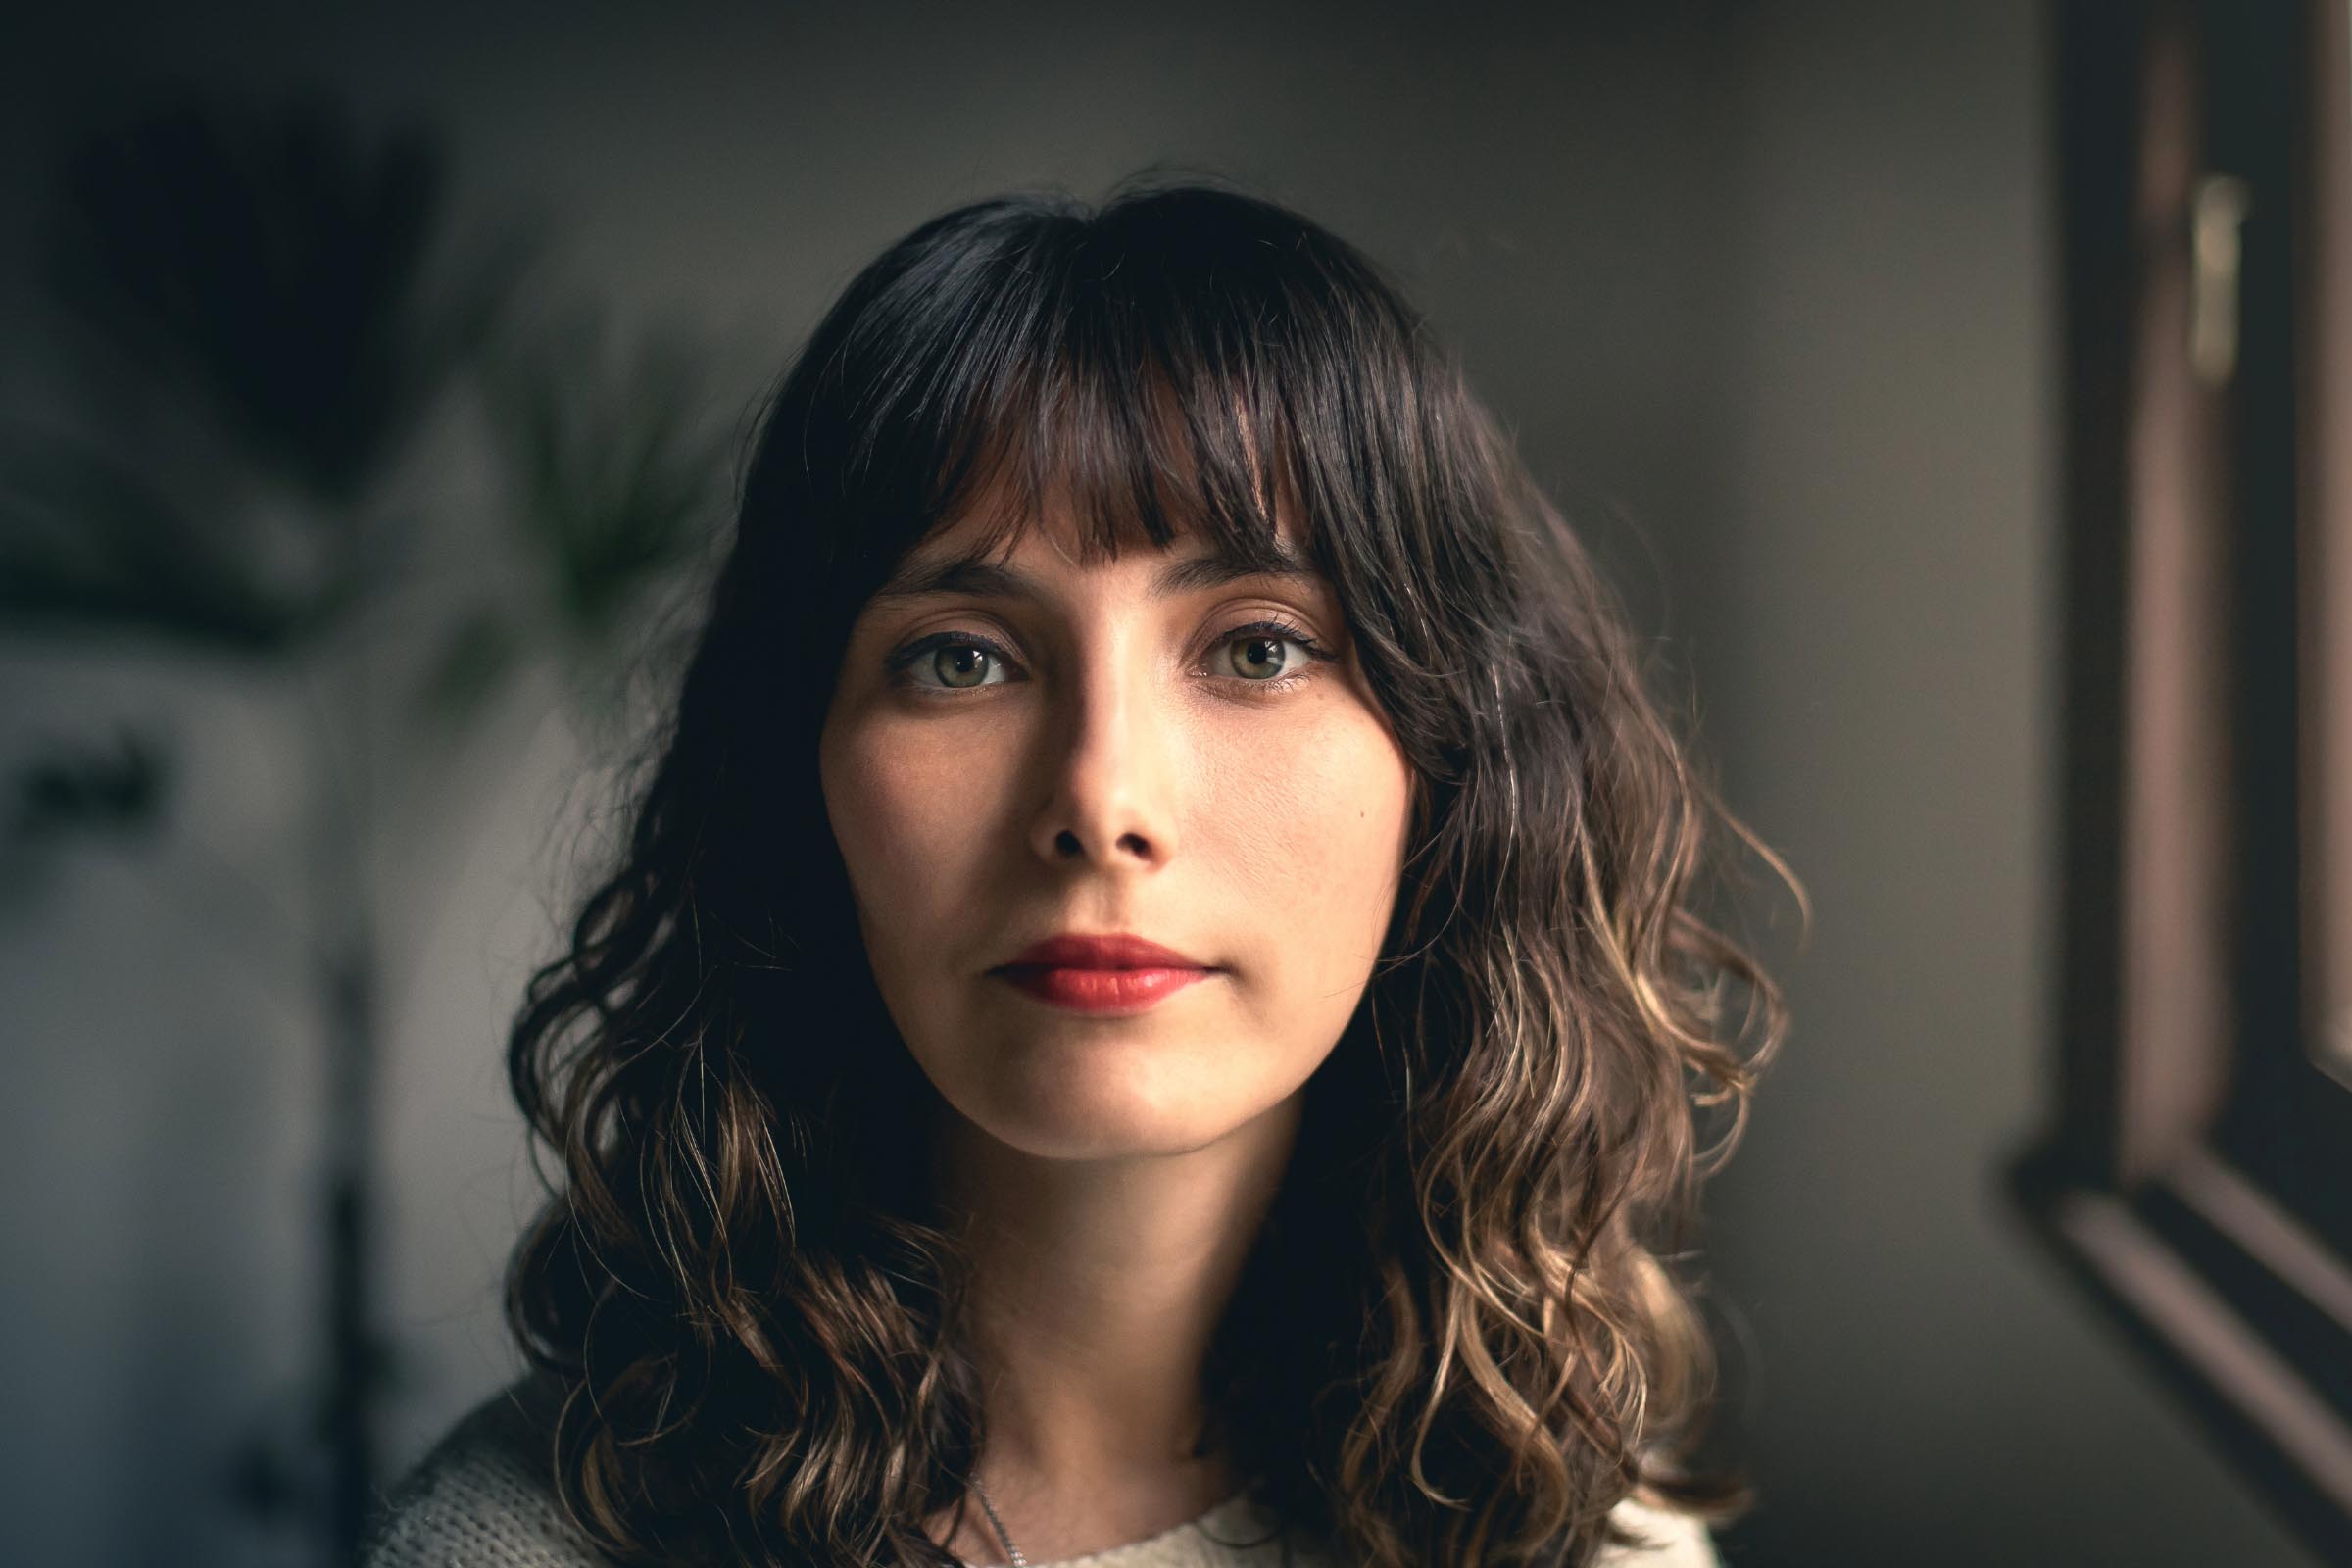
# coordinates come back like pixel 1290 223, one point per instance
pixel 1096 1288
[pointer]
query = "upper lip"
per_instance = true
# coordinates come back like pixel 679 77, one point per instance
pixel 1113 950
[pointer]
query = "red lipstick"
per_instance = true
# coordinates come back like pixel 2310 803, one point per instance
pixel 1111 973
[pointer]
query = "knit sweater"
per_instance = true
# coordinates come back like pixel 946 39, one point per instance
pixel 480 1499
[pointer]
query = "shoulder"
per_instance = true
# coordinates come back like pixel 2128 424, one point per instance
pixel 482 1496
pixel 1668 1540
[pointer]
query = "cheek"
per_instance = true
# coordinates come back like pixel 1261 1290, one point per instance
pixel 907 817
pixel 1313 822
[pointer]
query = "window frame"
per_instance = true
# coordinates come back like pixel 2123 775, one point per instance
pixel 2177 1181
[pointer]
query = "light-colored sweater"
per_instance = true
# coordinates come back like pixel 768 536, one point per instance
pixel 480 1499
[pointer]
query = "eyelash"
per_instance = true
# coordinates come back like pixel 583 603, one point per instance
pixel 900 664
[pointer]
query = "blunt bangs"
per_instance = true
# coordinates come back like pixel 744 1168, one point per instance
pixel 1180 361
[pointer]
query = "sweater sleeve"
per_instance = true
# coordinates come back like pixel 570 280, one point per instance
pixel 477 1500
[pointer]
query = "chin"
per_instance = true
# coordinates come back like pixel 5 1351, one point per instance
pixel 1098 1143
pixel 1108 1109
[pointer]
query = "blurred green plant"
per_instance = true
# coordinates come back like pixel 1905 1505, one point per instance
pixel 267 307
pixel 612 480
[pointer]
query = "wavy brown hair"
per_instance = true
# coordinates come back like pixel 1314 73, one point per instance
pixel 1461 1336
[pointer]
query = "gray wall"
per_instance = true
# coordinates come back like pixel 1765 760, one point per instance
pixel 1764 295
pixel 1922 1387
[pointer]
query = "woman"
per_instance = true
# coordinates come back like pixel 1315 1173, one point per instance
pixel 1156 987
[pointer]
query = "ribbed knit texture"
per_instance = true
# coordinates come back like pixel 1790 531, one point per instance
pixel 480 1499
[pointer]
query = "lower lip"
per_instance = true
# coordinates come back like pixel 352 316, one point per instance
pixel 1102 989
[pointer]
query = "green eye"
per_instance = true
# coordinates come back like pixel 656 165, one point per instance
pixel 1280 671
pixel 959 664
pixel 1255 668
pixel 947 661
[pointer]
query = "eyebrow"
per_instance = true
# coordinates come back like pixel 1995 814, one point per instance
pixel 981 578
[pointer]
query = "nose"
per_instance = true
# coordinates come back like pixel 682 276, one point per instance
pixel 1110 768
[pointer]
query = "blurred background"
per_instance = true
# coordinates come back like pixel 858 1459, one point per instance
pixel 373 382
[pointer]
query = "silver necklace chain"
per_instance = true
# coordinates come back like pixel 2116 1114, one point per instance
pixel 1010 1550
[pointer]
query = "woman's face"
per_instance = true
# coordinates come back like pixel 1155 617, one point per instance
pixel 1065 749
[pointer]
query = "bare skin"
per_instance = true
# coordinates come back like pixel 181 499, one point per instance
pixel 1104 757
